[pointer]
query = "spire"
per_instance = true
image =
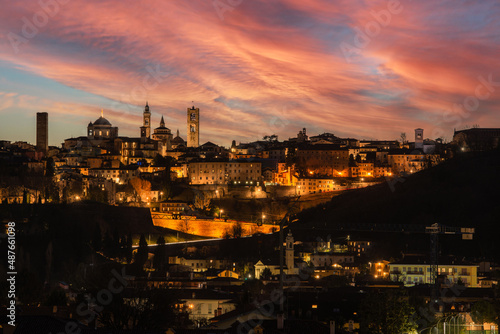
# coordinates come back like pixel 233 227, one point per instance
pixel 177 132
pixel 102 113
pixel 162 122
pixel 146 108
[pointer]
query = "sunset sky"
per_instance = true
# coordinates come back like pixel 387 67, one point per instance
pixel 365 69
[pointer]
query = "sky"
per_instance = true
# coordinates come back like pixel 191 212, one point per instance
pixel 361 69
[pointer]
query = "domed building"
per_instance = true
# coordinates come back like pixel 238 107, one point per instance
pixel 178 142
pixel 101 129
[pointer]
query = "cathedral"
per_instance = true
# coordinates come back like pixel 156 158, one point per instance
pixel 163 136
pixel 102 135
pixel 101 129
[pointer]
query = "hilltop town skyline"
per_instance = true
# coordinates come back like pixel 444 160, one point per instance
pixel 182 132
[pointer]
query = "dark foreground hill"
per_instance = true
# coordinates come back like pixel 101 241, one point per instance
pixel 462 192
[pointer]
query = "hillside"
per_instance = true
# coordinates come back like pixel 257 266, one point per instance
pixel 461 192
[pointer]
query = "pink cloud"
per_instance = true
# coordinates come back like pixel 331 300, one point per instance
pixel 264 64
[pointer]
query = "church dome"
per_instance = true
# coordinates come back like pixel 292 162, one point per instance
pixel 102 121
pixel 163 129
pixel 177 140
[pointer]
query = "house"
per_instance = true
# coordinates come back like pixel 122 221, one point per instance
pixel 312 185
pixel 321 259
pixel 228 273
pixel 206 304
pixel 416 269
pixel 200 265
pixel 359 246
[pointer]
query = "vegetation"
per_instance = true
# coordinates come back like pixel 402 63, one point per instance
pixel 386 312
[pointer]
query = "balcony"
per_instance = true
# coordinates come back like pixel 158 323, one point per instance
pixel 397 272
pixel 414 272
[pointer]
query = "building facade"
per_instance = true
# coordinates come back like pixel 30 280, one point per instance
pixel 325 159
pixel 312 185
pixel 420 273
pixel 225 172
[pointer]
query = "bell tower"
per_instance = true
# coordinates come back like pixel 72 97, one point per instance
pixel 419 138
pixel 146 123
pixel 193 127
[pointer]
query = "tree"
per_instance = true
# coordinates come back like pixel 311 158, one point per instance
pixel 185 225
pixel 159 259
pixel 111 244
pixel 403 138
pixel 128 248
pixel 266 274
pixel 141 187
pixel 50 170
pixel 150 310
pixel 484 311
pixel 272 138
pixel 142 252
pixel 291 158
pixel 386 312
pixel 237 230
pixel 161 161
pixel 352 162
pixel 201 202
pixel 25 196
pixel 51 192
pixel 96 193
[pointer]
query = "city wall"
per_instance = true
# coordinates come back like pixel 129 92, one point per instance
pixel 212 228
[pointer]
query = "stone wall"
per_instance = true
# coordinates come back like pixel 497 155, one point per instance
pixel 212 228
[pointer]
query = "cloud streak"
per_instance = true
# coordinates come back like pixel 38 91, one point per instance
pixel 266 61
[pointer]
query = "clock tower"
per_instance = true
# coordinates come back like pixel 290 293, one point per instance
pixel 146 123
pixel 193 127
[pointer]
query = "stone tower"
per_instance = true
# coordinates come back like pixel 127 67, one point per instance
pixel 193 127
pixel 419 138
pixel 146 123
pixel 42 131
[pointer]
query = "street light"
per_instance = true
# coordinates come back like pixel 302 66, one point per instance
pixel 220 213
pixel 444 319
